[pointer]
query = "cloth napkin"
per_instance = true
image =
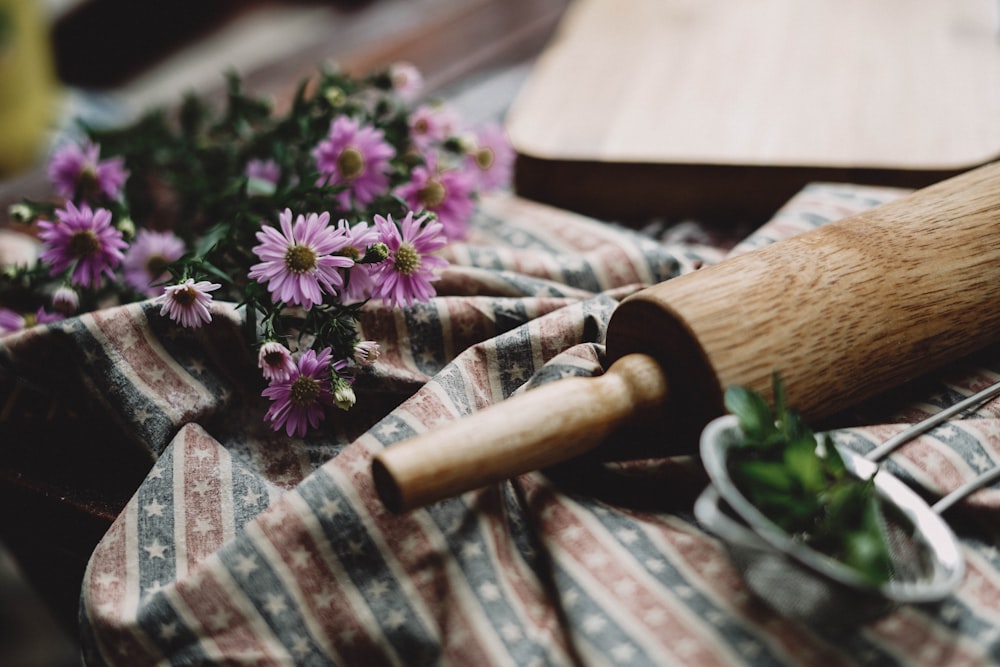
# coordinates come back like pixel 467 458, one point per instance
pixel 245 546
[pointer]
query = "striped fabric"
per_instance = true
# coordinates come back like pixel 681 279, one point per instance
pixel 243 546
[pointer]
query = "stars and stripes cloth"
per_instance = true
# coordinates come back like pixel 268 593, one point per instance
pixel 244 546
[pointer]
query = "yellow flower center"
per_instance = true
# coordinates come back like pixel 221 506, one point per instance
pixel 300 258
pixel 304 390
pixel 83 244
pixel 350 163
pixel 407 259
pixel 351 251
pixel 484 158
pixel 432 194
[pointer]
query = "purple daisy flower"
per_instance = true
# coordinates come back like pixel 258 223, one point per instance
pixel 187 302
pixel 356 156
pixel 299 262
pixel 44 317
pixel 275 361
pixel 431 124
pixel 76 170
pixel 406 275
pixel 82 239
pixel 147 258
pixel 298 401
pixel 448 194
pixel 10 321
pixel 492 159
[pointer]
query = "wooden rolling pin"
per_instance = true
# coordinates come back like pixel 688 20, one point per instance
pixel 843 312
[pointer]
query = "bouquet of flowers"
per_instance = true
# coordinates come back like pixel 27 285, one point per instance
pixel 300 219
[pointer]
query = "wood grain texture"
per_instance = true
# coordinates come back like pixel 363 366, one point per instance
pixel 842 89
pixel 844 312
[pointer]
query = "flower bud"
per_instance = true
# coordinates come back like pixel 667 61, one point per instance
pixel 20 213
pixel 366 352
pixel 343 394
pixel 375 253
pixel 65 300
pixel 127 227
pixel 334 96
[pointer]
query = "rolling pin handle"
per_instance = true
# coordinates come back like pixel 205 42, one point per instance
pixel 542 427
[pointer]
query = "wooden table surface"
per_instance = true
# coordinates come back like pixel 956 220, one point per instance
pixel 726 108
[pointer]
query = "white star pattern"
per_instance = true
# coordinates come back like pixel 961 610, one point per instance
pixel 245 564
pixel 330 507
pixel 201 526
pixel 275 603
pixel 300 645
pixel 623 653
pixel 154 508
pixel 489 591
pixel 168 631
pixel 300 557
pixel 396 619
pixel 219 620
pixel 324 598
pixel 594 623
pixel 156 550
pixel 378 589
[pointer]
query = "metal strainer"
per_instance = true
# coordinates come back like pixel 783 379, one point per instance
pixel 802 583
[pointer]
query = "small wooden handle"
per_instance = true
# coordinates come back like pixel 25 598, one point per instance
pixel 544 426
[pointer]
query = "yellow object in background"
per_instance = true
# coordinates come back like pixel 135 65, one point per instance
pixel 28 86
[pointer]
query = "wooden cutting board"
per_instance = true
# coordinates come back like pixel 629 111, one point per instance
pixel 725 108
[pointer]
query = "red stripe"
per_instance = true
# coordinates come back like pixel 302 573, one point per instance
pixel 106 591
pixel 202 494
pixel 127 340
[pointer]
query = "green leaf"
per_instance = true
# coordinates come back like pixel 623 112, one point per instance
pixel 805 465
pixel 752 412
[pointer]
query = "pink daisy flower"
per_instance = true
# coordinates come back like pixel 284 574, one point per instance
pixel 275 361
pixel 448 194
pixel 147 258
pixel 431 124
pixel 76 170
pixel 298 401
pixel 187 302
pixel 358 285
pixel 406 275
pixel 300 263
pixel 84 240
pixel 356 156
pixel 406 80
pixel 492 158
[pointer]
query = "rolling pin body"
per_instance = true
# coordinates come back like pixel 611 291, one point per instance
pixel 843 312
